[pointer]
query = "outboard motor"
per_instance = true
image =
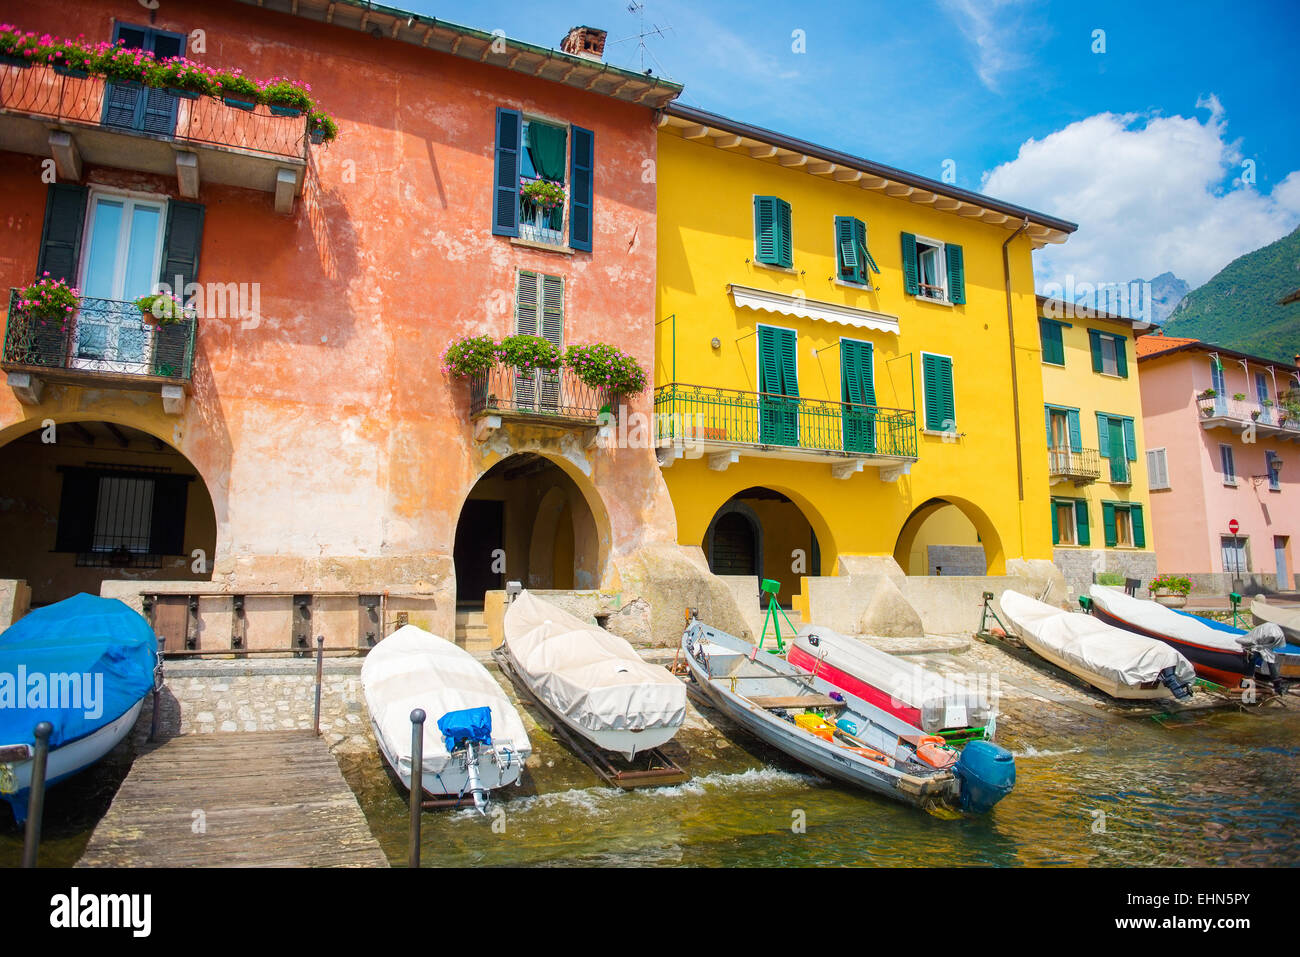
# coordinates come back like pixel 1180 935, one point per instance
pixel 987 773
pixel 1261 643
pixel 465 730
pixel 1169 678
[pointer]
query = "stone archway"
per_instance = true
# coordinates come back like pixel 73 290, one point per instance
pixel 90 500
pixel 954 536
pixel 785 542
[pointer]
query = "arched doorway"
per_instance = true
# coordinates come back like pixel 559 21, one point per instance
pixel 526 519
pixel 761 532
pixel 948 536
pixel 90 501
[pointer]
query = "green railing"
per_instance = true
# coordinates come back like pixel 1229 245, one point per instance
pixel 102 336
pixel 733 417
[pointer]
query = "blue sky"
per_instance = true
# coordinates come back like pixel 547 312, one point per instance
pixel 1142 144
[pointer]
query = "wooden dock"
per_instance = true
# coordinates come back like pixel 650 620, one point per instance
pixel 255 799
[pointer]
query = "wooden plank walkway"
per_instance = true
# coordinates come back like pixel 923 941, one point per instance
pixel 268 799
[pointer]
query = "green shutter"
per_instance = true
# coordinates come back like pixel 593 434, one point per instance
pixel 911 273
pixel 850 264
pixel 1094 342
pixel 527 300
pixel 778 376
pixel 858 392
pixel 1056 532
pixel 1053 344
pixel 581 188
pixel 65 215
pixel 1121 356
pixel 766 240
pixel 1139 527
pixel 785 242
pixel 956 274
pixel 1076 436
pixel 1047 415
pixel 184 237
pixel 1081 522
pixel 1103 435
pixel 939 406
pixel 864 254
pixel 552 327
pixel 1115 445
pixel 1108 521
pixel 505 200
pixel 1130 440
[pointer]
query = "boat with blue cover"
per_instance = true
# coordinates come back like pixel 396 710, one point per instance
pixel 85 665
pixel 839 734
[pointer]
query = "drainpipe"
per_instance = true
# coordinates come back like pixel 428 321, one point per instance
pixel 1011 333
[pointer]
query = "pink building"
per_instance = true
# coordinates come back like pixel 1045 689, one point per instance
pixel 1223 430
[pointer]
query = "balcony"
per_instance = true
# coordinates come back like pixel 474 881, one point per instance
pixel 558 399
pixel 692 421
pixel 1239 415
pixel 81 119
pixel 1080 466
pixel 104 343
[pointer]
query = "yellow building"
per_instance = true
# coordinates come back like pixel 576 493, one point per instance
pixel 847 361
pixel 1092 421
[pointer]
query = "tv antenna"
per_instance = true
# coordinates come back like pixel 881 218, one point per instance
pixel 643 33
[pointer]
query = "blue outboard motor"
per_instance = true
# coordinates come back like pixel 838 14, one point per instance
pixel 987 773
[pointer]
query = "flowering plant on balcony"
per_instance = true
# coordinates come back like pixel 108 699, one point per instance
pixel 16 44
pixel 470 356
pixel 286 94
pixel 322 127
pixel 233 84
pixel 542 192
pixel 178 73
pixel 161 309
pixel 602 366
pixel 120 64
pixel 49 300
pixel 1177 584
pixel 529 353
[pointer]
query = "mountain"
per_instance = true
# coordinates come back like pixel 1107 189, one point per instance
pixel 1239 308
pixel 1167 291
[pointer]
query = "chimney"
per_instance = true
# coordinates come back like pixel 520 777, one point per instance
pixel 586 42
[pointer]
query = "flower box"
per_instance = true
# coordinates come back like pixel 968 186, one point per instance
pixel 317 137
pixel 19 61
pixel 1168 598
pixel 181 94
pixel 245 105
pixel 71 71
pixel 285 110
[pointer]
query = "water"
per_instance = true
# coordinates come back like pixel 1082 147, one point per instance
pixel 1219 789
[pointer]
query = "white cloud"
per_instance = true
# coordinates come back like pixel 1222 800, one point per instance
pixel 1000 35
pixel 1150 193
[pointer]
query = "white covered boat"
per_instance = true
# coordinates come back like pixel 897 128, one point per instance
pixel 469 753
pixel 1118 662
pixel 592 681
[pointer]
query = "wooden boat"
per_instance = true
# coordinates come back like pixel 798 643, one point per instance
pixel 838 733
pixel 474 741
pixel 590 680
pixel 1218 656
pixel 1275 660
pixel 1112 660
pixel 102 656
pixel 1288 619
pixel 929 701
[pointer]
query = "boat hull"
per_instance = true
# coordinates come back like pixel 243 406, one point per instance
pixel 71 758
pixel 853 685
pixel 1106 685
pixel 1214 664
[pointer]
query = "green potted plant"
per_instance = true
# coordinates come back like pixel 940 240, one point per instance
pixel 1239 396
pixel 1207 395
pixel 70 58
pixel 17 48
pixel 185 79
pixel 542 193
pixel 161 309
pixel 610 371
pixel 286 97
pixel 48 307
pixel 123 66
pixel 236 90
pixel 470 356
pixel 321 127
pixel 1170 590
pixel 528 354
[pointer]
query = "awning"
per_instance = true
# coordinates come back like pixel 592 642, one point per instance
pixel 752 298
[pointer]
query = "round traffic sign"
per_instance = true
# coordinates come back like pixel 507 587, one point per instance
pixel 1233 526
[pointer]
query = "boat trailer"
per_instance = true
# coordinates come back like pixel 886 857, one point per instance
pixel 659 770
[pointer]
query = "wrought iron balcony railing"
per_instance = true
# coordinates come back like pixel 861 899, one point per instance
pixel 764 419
pixel 104 337
pixel 1079 465
pixel 504 390
pixel 43 92
pixel 1274 419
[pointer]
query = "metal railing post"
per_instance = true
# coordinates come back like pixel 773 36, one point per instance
pixel 157 687
pixel 417 785
pixel 320 669
pixel 36 794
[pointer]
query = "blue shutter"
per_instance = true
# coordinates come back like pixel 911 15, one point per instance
pixel 65 215
pixel 1130 441
pixel 184 236
pixel 956 274
pixel 1076 437
pixel 1047 414
pixel 1103 435
pixel 582 189
pixel 911 274
pixel 505 198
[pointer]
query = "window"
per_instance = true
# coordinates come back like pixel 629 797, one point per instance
pixel 933 270
pixel 146 109
pixel 940 411
pixel 1157 469
pixel 1274 471
pixel 121 516
pixel 1227 465
pixel 1219 384
pixel 1063 429
pixel 778 385
pixel 853 259
pixel 1070 522
pixel 1236 555
pixel 1052 340
pixel 1109 353
pixel 1265 403
pixel 530 152
pixel 1117 441
pixel 773 245
pixel 1125 525
pixel 539 311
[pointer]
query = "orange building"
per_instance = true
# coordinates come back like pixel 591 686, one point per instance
pixel 299 437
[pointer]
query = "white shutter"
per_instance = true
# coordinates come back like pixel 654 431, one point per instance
pixel 527 323
pixel 1157 469
pixel 552 330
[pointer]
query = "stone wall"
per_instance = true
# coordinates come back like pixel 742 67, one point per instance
pixel 1079 564
pixel 956 560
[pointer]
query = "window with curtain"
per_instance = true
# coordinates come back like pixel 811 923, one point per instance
pixel 544 159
